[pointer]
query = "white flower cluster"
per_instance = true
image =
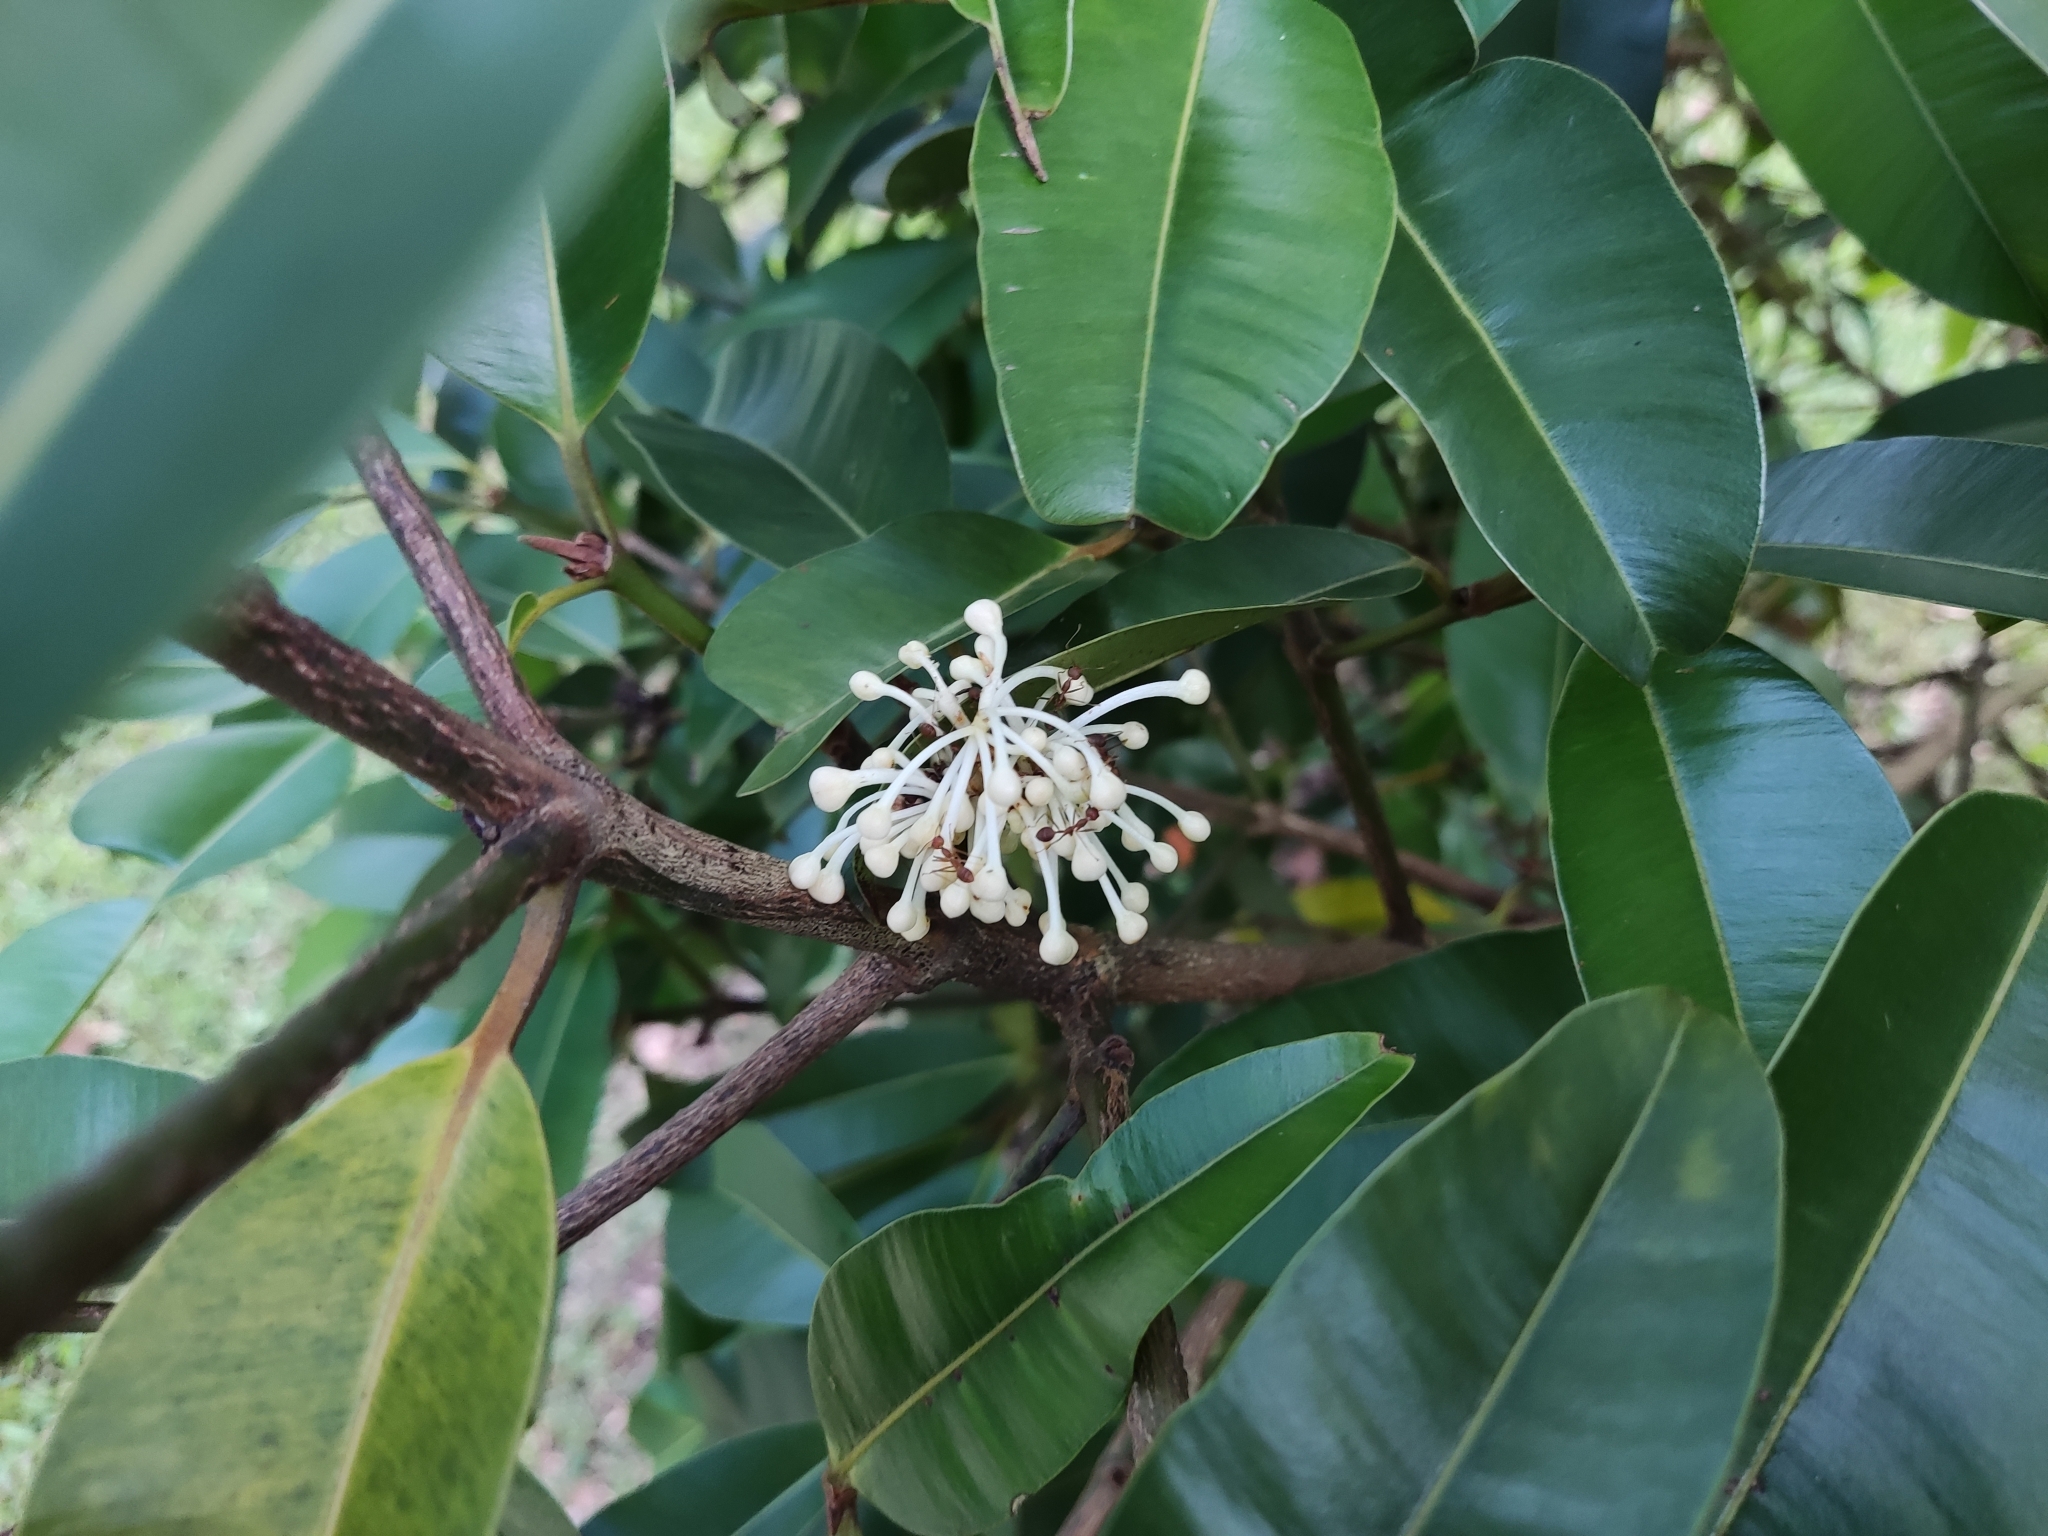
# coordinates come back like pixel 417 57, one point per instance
pixel 974 773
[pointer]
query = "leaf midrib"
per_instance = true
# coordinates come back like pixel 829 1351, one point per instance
pixel 1936 1124
pixel 1170 206
pixel 1426 1507
pixel 95 329
pixel 1699 863
pixel 1578 495
pixel 1114 1230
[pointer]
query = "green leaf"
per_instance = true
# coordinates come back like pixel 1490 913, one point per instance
pixel 1506 671
pixel 788 647
pixel 566 1048
pixel 1034 40
pixel 884 1091
pixel 59 1114
pixel 717 1491
pixel 908 293
pixel 1916 1195
pixel 377 872
pixel 212 802
pixel 1410 47
pixel 530 1510
pixel 751 1232
pixel 553 328
pixel 1544 1312
pixel 2000 405
pixel 1714 832
pixel 50 973
pixel 1597 419
pixel 961 1358
pixel 701 254
pixel 1190 281
pixel 1922 126
pixel 343 1337
pixel 364 595
pixel 1945 520
pixel 222 237
pixel 901 55
pixel 503 569
pixel 1195 593
pixel 815 436
pixel 1463 1012
pixel 172 680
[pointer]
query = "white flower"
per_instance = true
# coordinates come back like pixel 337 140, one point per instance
pixel 974 774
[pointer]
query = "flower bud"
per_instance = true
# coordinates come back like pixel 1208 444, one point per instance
pixel 829 887
pixel 955 899
pixel 989 911
pixel 1039 791
pixel 990 885
pixel 1034 738
pixel 1017 908
pixel 1106 792
pixel 804 870
pixel 985 616
pixel 1194 826
pixel 1136 897
pixel 1130 927
pixel 1194 686
pixel 881 858
pixel 1133 735
pixel 881 757
pixel 902 916
pixel 1164 859
pixel 1090 862
pixel 1068 762
pixel 830 787
pixel 1057 947
pixel 1005 788
pixel 876 821
pixel 914 653
pixel 968 669
pixel 865 686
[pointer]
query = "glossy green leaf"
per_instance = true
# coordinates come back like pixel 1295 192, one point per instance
pixel 717 1491
pixel 1714 832
pixel 364 595
pixel 884 1091
pixel 961 1358
pixel 1192 278
pixel 1506 671
pixel 1195 593
pixel 909 293
pixel 209 803
pixel 343 1337
pixel 1034 40
pixel 1923 127
pixel 59 1114
pixel 530 1510
pixel 51 972
pixel 1597 419
pixel 1485 15
pixel 1542 1314
pixel 553 327
pixel 190 267
pixel 751 1232
pixel 1945 520
pixel 1906 1358
pixel 172 680
pixel 901 56
pixel 566 1048
pixel 1463 1012
pixel 2000 405
pixel 815 435
pixel 701 254
pixel 2024 22
pixel 1410 47
pixel 788 647
pixel 373 873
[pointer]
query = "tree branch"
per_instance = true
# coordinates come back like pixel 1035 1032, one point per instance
pixel 453 601
pixel 865 987
pixel 81 1230
pixel 1468 602
pixel 1333 719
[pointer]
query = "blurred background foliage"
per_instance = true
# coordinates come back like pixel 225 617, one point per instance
pixel 815 182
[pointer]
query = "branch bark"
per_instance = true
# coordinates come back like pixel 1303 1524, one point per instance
pixel 865 987
pixel 1333 720
pixel 80 1231
pixel 453 601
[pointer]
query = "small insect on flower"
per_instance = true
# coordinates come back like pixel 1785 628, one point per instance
pixel 975 773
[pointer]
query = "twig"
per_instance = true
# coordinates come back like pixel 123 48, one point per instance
pixel 855 995
pixel 81 1230
pixel 463 618
pixel 81 1317
pixel 1333 720
pixel 1469 602
pixel 698 593
pixel 1064 1125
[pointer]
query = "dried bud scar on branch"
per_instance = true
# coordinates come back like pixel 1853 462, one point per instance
pixel 975 773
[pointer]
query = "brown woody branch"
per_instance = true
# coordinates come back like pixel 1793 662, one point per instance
pixel 860 991
pixel 452 600
pixel 81 1230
